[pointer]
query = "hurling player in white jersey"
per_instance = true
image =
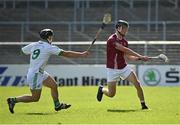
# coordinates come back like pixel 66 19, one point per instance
pixel 36 77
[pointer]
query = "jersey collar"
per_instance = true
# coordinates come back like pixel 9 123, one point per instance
pixel 44 41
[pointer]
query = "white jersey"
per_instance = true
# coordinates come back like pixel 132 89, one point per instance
pixel 39 54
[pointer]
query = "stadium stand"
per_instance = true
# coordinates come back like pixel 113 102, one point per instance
pixel 79 20
pixel 64 11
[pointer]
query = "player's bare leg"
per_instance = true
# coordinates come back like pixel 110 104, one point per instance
pixel 51 83
pixel 30 98
pixel 133 79
pixel 25 98
pixel 110 91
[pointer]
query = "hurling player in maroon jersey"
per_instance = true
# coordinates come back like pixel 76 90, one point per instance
pixel 117 50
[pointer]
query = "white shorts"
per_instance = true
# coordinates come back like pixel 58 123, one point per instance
pixel 35 80
pixel 116 74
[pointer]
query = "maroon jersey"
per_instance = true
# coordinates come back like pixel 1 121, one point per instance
pixel 115 58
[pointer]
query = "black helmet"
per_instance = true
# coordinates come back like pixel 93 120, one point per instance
pixel 45 33
pixel 122 23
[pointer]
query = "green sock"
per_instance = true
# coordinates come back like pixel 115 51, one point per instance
pixel 56 103
pixel 14 99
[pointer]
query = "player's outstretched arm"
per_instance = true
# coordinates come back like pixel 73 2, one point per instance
pixel 132 55
pixel 127 50
pixel 74 54
pixel 132 58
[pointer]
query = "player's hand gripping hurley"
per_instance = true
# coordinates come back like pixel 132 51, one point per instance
pixel 106 20
pixel 161 57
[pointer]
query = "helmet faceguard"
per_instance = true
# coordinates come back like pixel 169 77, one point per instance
pixel 123 24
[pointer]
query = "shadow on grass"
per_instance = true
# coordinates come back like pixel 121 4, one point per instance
pixel 38 113
pixel 122 110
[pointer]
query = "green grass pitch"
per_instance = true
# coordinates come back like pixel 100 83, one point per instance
pixel 123 108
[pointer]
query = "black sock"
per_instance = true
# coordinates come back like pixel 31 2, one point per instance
pixel 143 103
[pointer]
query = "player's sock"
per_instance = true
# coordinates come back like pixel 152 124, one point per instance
pixel 56 103
pixel 14 99
pixel 143 105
